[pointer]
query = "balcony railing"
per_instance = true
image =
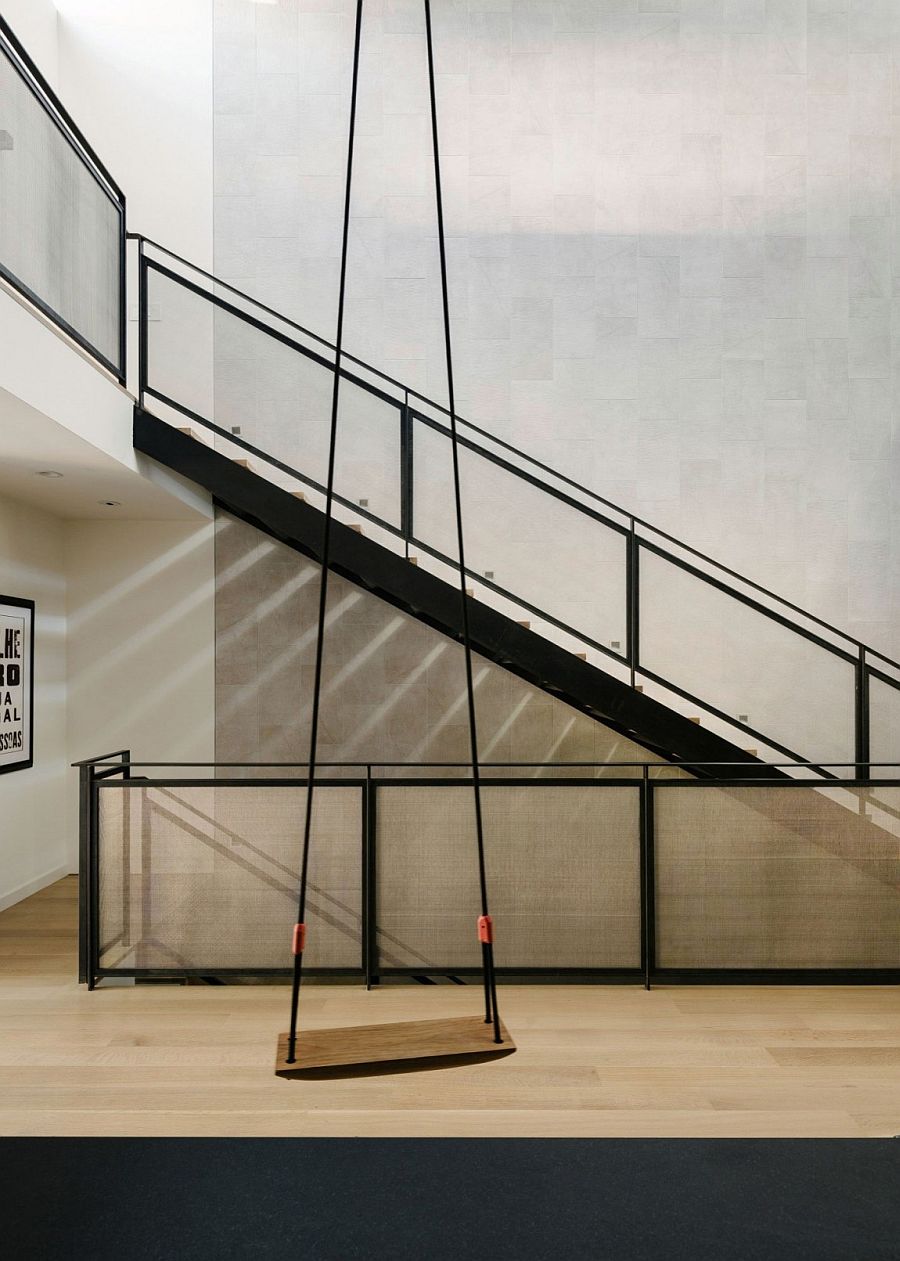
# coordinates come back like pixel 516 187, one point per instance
pixel 625 871
pixel 62 215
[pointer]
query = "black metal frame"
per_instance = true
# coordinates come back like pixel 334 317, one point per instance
pixel 40 89
pixel 648 880
pixel 638 535
pixel 27 761
pixel 117 770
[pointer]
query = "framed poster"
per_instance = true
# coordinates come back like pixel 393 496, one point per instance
pixel 16 683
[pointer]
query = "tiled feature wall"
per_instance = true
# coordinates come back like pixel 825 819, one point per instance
pixel 394 689
pixel 673 246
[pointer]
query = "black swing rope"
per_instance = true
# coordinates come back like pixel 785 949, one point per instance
pixel 485 926
pixel 299 941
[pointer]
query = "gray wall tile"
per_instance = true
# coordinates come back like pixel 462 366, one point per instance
pixel 686 206
pixel 393 689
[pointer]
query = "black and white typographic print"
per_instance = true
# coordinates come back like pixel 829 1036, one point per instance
pixel 16 682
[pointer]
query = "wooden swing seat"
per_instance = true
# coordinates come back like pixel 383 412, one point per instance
pixel 403 1045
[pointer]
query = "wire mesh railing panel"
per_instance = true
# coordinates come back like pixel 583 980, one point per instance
pixel 884 718
pixel 206 877
pixel 115 880
pixel 534 546
pixel 789 876
pixel 777 877
pixel 750 667
pixel 61 232
pixel 180 337
pixel 563 865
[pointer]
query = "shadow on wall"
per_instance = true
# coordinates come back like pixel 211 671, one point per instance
pixel 394 689
pixel 140 644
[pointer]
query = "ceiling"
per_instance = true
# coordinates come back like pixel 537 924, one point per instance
pixel 30 442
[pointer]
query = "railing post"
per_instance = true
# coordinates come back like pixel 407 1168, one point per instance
pixel 142 322
pixel 632 599
pixel 370 899
pixel 123 296
pixel 406 473
pixel 126 851
pixel 648 878
pixel 88 876
pixel 85 797
pixel 94 839
pixel 863 753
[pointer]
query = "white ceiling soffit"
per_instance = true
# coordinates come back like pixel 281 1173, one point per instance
pixel 31 443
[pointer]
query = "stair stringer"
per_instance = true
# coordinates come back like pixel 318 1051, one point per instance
pixel 245 494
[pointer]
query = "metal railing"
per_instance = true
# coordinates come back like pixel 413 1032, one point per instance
pixel 632 872
pixel 62 215
pixel 654 611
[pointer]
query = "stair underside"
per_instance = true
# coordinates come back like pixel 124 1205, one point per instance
pixel 512 645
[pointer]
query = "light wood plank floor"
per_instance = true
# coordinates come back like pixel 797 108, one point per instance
pixel 592 1060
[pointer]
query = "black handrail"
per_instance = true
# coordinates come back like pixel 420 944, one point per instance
pixel 106 759
pixel 375 762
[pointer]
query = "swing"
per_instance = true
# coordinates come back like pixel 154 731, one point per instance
pixel 418 1043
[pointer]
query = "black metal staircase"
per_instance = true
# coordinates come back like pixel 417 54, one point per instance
pixel 245 494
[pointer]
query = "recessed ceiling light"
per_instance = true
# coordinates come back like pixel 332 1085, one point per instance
pixel 110 503
pixel 48 472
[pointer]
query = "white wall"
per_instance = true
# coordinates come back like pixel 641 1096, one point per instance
pixel 35 824
pixel 137 76
pixel 34 22
pixel 141 638
pixel 124 657
pixel 672 244
pixel 125 614
pixel 43 370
